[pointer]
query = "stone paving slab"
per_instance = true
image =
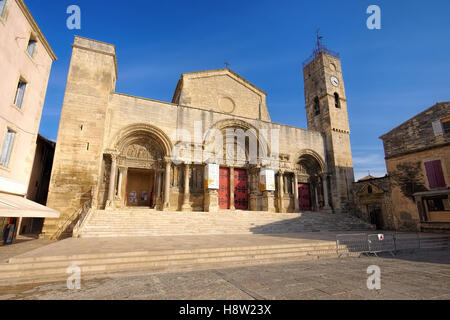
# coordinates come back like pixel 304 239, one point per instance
pixel 22 246
pixel 334 279
pixel 77 246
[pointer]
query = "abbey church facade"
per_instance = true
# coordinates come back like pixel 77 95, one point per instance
pixel 115 151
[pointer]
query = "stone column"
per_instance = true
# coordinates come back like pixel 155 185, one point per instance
pixel 158 189
pixel 186 198
pixel 119 184
pixel 166 204
pixel 254 188
pixel 281 191
pixel 325 193
pixel 296 199
pixel 112 181
pixel 316 194
pixel 232 207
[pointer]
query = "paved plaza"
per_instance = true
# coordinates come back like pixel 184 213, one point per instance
pixel 412 275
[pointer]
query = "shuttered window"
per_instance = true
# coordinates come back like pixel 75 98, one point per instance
pixel 2 7
pixel 7 147
pixel 31 47
pixel 435 174
pixel 20 93
pixel 446 125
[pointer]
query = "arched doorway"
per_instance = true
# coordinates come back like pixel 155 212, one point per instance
pixel 142 158
pixel 137 168
pixel 238 148
pixel 311 182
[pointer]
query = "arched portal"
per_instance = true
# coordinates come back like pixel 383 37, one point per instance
pixel 238 147
pixel 137 166
pixel 312 182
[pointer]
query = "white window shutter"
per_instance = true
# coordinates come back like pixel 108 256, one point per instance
pixel 7 148
pixel 437 128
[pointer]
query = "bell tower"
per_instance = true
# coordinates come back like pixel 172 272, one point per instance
pixel 326 111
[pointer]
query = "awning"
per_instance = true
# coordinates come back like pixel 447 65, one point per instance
pixel 12 206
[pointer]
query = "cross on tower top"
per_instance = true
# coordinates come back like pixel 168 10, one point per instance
pixel 319 48
pixel 319 39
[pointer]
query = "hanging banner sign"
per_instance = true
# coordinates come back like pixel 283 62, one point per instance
pixel 212 177
pixel 267 180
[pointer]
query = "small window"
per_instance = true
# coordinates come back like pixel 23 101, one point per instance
pixel 337 100
pixel 7 148
pixel 369 189
pixel 438 203
pixel 435 174
pixel 446 125
pixel 316 106
pixel 31 46
pixel 2 7
pixel 20 93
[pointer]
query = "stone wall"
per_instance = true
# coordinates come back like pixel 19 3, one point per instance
pixel 79 147
pixel 407 148
pixel 223 91
pixel 333 122
pixel 374 192
pixel 417 133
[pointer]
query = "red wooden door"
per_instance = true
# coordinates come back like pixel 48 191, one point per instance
pixel 304 197
pixel 240 189
pixel 224 188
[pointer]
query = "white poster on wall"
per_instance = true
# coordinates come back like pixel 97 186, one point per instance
pixel 267 180
pixel 212 176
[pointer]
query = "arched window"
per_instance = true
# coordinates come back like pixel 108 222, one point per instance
pixel 337 100
pixel 316 106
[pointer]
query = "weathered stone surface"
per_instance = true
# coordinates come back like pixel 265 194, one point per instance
pixel 408 147
pixel 99 126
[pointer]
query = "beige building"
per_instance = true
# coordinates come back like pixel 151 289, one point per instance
pixel 25 63
pixel 418 164
pixel 415 194
pixel 116 151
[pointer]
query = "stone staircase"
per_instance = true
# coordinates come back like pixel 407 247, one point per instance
pixel 54 268
pixel 145 222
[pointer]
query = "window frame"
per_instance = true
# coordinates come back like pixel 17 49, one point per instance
pixel 3 9
pixel 32 43
pixel 433 207
pixel 12 141
pixel 316 106
pixel 436 180
pixel 16 96
pixel 337 101
pixel 445 123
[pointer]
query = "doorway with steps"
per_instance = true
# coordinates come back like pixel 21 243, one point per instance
pixel 139 191
pixel 239 189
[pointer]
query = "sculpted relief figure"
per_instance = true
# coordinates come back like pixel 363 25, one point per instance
pixel 143 152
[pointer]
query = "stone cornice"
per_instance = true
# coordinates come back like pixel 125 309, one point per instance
pixel 36 29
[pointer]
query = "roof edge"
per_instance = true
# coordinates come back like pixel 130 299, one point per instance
pixel 230 71
pixel 36 28
pixel 417 115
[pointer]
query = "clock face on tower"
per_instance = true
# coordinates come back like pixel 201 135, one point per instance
pixel 334 81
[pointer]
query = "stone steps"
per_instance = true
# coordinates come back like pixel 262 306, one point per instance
pixel 43 269
pixel 140 222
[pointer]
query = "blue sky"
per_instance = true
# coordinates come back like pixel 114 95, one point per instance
pixel 390 74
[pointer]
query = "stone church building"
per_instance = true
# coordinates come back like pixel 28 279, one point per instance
pixel 116 151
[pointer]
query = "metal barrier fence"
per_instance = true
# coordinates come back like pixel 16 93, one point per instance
pixel 362 243
pixel 381 243
pixel 352 243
